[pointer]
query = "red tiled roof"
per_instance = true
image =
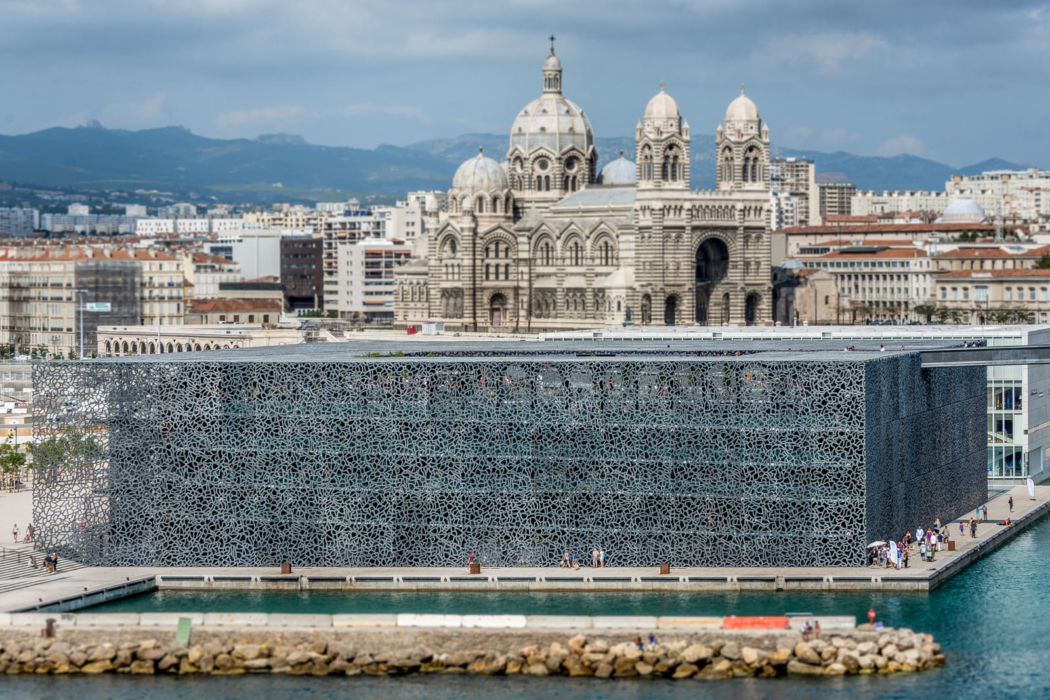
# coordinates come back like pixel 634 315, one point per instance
pixel 884 253
pixel 979 274
pixel 887 228
pixel 866 241
pixel 213 305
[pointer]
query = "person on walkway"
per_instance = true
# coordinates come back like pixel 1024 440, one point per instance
pixel 31 532
pixel 1009 502
pixel 984 508
pixel 973 528
pixel 601 557
pixel 904 558
pixel 564 560
pixel 470 560
pixel 594 558
pixel 14 531
pixel 918 534
pixel 962 530
pixel 575 562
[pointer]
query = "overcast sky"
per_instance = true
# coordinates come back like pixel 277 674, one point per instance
pixel 958 81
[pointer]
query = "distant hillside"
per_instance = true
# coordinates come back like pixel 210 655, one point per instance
pixel 284 166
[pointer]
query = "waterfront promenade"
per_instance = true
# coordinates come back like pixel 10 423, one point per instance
pixel 91 585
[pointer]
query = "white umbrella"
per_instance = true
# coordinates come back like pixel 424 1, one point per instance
pixel 876 543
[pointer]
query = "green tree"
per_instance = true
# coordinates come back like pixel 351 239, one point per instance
pixel 926 310
pixel 1043 263
pixel 59 451
pixel 12 461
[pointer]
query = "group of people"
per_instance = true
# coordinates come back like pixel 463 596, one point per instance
pixel 895 555
pixel 50 564
pixel 571 560
pixel 28 536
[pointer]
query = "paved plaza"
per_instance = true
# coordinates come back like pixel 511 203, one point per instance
pixel 920 576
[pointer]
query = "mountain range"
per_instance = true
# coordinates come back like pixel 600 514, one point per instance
pixel 283 167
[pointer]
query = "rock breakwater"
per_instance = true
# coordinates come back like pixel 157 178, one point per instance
pixel 703 655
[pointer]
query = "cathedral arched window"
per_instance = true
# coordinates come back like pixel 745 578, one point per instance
pixel 663 170
pixel 481 206
pixel 675 169
pixel 546 253
pixel 575 253
pixel 647 164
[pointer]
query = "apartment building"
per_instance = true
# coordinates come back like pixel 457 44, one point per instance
pixel 835 199
pixel 365 280
pixel 42 290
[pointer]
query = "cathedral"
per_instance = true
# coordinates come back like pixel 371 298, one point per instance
pixel 543 241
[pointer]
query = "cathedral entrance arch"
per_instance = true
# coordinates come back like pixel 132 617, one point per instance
pixel 712 261
pixel 751 308
pixel 702 301
pixel 670 310
pixel 497 310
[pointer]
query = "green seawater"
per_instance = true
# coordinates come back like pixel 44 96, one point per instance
pixel 993 621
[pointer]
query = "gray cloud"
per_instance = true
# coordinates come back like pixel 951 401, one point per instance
pixel 959 78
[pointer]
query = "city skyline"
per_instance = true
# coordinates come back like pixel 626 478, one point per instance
pixel 825 77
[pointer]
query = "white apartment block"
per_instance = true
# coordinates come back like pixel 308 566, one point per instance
pixel 17 221
pixel 1012 194
pixel 364 283
pixel 878 282
pixel 868 202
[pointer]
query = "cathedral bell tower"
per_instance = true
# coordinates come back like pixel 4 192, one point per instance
pixel 742 145
pixel 662 145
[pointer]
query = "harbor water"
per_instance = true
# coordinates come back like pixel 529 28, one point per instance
pixel 991 621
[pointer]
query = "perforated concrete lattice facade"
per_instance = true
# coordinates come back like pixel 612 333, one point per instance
pixel 319 456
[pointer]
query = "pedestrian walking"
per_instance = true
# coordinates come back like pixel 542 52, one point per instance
pixel 973 528
pixel 601 557
pixel 962 530
pixel 575 562
pixel 14 531
pixel 1009 502
pixel 984 508
pixel 594 558
pixel 30 532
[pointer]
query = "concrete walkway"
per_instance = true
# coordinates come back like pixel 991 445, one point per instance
pixel 89 585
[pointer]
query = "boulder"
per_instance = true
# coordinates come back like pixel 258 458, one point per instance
pixel 77 657
pixel 750 656
pixel 142 667
pixel 537 669
pixel 195 653
pixel 106 652
pixel 577 644
pixel 780 657
pixel 123 658
pixel 247 652
pixel 576 666
pixel 150 654
pixel 866 648
pixel 835 669
pixel 254 664
pixel 889 651
pixel 513 665
pixel 604 670
pixel 684 671
pixel 697 653
pixel 730 650
pixel 94 667
pixel 598 646
pixel 223 662
pixel 798 668
pixel 625 668
pixel 828 653
pixel 167 662
pixel 806 654
pixel 300 657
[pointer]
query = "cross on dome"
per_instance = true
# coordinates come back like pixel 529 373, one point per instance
pixel 552 44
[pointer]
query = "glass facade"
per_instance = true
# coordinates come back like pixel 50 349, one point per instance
pixel 1007 423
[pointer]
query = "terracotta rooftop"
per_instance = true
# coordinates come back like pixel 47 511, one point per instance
pixel 213 305
pixel 884 253
pixel 983 274
pixel 887 228
pixel 901 242
pixel 993 253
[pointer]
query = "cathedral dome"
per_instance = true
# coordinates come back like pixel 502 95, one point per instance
pixel 619 172
pixel 662 106
pixel 963 211
pixel 552 121
pixel 742 109
pixel 480 174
